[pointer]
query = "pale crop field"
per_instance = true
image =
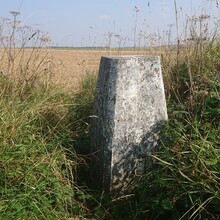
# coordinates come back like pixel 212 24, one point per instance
pixel 72 65
pixel 63 67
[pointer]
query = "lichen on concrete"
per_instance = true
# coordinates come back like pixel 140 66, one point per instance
pixel 130 107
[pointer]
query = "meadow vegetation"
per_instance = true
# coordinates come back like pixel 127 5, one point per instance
pixel 44 135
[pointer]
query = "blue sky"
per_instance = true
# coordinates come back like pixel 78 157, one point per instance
pixel 91 22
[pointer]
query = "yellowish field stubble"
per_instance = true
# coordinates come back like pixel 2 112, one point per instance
pixel 68 65
pixel 74 64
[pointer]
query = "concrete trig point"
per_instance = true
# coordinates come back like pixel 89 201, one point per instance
pixel 129 109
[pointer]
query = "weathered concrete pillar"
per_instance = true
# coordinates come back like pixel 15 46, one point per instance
pixel 129 108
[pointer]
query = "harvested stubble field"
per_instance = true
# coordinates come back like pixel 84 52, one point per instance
pixel 73 64
pixel 64 67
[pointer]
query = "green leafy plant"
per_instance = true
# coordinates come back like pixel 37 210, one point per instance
pixel 38 163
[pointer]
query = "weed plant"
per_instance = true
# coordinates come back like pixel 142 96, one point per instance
pixel 38 163
pixel 80 115
pixel 184 183
pixel 42 127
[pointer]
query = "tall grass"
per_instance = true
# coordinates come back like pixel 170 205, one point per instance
pixel 37 160
pixel 44 135
pixel 184 183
